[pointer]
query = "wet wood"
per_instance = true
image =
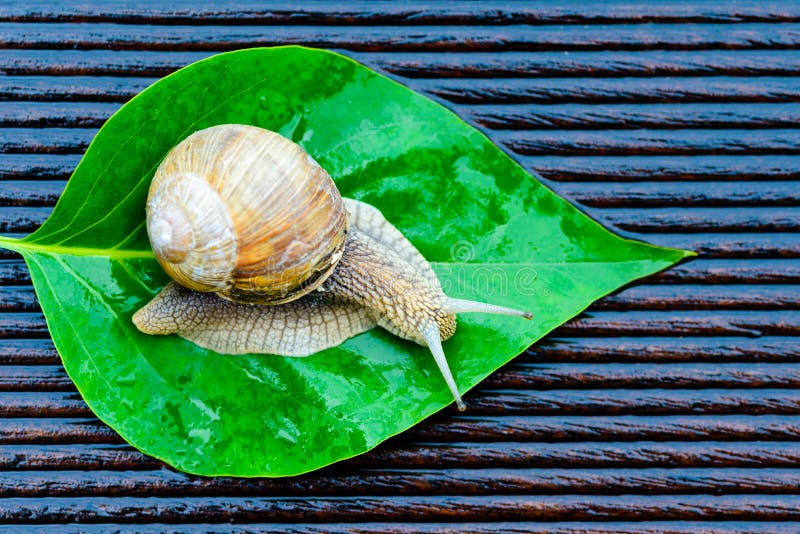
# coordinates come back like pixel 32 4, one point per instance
pixel 743 36
pixel 600 323
pixel 516 527
pixel 727 245
pixel 442 508
pixel 743 271
pixel 649 297
pixel 624 375
pixel 681 194
pixel 35 167
pixel 633 116
pixel 608 63
pixel 56 114
pixel 664 168
pixel 383 12
pixel 33 397
pixel 23 220
pixel 670 406
pixel 441 482
pixel 645 349
pixel 614 428
pixel 18 431
pixel 517 117
pixel 698 323
pixel 650 142
pixel 610 90
pixel 32 351
pixel 685 220
pixel 641 454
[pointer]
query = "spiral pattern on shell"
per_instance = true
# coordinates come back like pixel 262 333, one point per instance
pixel 246 213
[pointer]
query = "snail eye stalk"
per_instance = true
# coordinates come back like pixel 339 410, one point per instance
pixel 461 306
pixel 431 335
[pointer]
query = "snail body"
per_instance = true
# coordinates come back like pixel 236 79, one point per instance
pixel 294 268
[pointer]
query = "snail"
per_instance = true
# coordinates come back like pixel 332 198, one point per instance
pixel 267 257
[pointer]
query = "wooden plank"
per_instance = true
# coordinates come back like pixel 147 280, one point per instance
pixel 632 116
pixel 688 323
pixel 382 12
pixel 607 90
pixel 22 220
pixel 686 220
pixel 664 168
pixel 728 246
pixel 428 508
pixel 685 194
pixel 520 527
pixel 683 220
pixel 462 91
pixel 529 143
pixel 709 296
pixel 37 167
pixel 742 271
pixel 682 36
pixel 405 527
pixel 27 193
pixel 29 324
pixel 594 324
pixel 608 63
pixel 705 400
pixel 661 349
pixel 55 114
pixel 28 352
pixel 72 88
pixel 566 428
pixel 19 431
pixel 515 117
pixel 520 376
pixel 13 272
pixel 32 400
pixel 589 455
pixel 18 299
pixel 43 404
pixel 643 297
pixel 647 142
pixel 34 378
pixel 599 194
pixel 370 483
pixel 45 140
pixel 563 169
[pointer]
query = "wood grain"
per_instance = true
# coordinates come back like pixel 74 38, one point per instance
pixel 670 406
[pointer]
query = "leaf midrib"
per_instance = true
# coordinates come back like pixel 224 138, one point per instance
pixel 20 245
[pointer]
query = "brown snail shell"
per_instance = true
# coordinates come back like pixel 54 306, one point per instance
pixel 245 213
pixel 249 215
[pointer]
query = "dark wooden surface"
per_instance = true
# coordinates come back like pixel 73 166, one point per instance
pixel 671 406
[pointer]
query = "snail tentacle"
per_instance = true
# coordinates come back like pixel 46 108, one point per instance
pixel 463 306
pixel 431 335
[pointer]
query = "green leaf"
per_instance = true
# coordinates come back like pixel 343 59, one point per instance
pixel 493 232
